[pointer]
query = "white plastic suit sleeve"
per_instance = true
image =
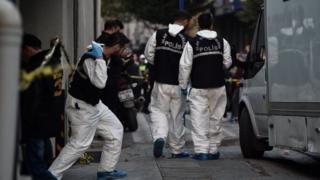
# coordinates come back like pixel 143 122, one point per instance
pixel 185 67
pixel 150 49
pixel 227 61
pixel 97 72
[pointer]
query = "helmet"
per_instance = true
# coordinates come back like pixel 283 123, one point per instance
pixel 142 57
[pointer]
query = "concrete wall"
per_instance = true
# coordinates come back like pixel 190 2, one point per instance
pixel 42 18
pixel 86 22
pixel 68 27
pixel 73 20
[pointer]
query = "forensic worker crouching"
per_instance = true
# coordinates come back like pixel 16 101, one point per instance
pixel 202 61
pixel 89 115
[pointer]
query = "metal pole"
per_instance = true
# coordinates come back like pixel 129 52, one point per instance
pixel 181 4
pixel 10 40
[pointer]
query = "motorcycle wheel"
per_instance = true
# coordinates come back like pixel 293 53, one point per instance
pixel 131 119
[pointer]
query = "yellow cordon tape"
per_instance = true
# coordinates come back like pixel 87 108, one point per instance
pixel 136 77
pixel 26 78
pixel 232 80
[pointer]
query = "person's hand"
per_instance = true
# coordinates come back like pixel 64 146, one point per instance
pixel 233 71
pixel 95 51
pixel 126 53
pixel 184 92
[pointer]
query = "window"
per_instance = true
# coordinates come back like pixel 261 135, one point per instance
pixel 257 55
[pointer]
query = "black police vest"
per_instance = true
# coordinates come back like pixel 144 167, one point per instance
pixel 207 69
pixel 81 86
pixel 167 56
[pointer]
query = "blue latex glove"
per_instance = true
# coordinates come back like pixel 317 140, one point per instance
pixel 95 51
pixel 184 92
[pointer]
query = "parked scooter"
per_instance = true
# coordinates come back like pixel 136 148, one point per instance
pixel 130 95
pixel 127 100
pixel 136 82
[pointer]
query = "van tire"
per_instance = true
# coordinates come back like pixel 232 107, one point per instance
pixel 251 147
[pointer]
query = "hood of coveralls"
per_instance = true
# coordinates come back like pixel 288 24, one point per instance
pixel 208 34
pixel 174 29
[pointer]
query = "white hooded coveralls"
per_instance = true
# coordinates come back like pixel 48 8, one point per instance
pixel 86 120
pixel 207 106
pixel 167 103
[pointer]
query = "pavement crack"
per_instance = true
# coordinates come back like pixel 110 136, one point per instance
pixel 159 169
pixel 257 168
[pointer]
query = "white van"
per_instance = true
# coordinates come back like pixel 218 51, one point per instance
pixel 280 97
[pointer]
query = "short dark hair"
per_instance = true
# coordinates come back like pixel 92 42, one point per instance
pixel 181 15
pixel 123 39
pixel 31 40
pixel 118 23
pixel 205 21
pixel 113 39
pixel 109 24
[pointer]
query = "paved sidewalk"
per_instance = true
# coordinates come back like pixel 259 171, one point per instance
pixel 137 159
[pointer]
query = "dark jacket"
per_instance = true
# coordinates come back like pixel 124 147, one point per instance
pixel 42 103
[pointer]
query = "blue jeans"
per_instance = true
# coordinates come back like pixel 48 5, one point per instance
pixel 38 154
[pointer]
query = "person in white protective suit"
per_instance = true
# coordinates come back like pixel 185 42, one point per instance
pixel 163 51
pixel 89 115
pixel 203 60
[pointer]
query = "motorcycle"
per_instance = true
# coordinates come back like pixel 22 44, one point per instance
pixel 129 112
pixel 129 94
